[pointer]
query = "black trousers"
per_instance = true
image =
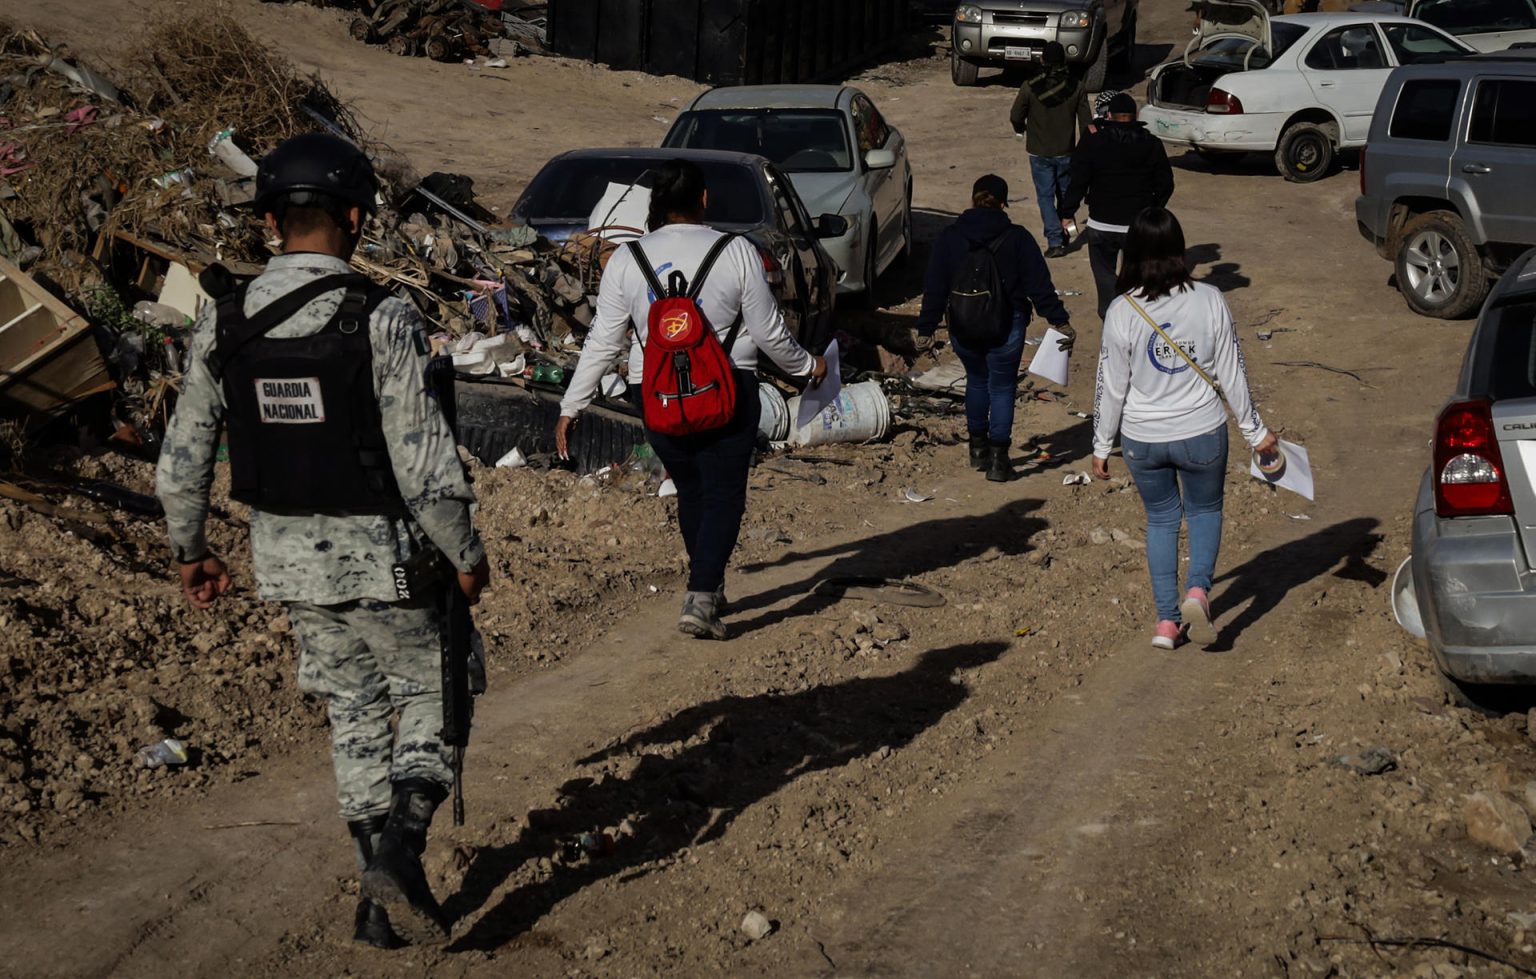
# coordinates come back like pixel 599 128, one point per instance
pixel 710 471
pixel 1104 257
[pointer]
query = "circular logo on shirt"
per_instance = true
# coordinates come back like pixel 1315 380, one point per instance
pixel 1164 357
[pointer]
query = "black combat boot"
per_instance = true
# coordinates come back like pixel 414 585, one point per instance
pixel 980 452
pixel 372 924
pixel 1000 467
pixel 395 878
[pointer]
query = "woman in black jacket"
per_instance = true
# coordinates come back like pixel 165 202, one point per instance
pixel 991 369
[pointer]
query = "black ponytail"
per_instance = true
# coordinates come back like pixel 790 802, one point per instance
pixel 677 188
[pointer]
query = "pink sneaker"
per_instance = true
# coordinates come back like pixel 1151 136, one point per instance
pixel 1197 617
pixel 1167 634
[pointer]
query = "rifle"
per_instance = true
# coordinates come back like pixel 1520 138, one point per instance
pixel 458 626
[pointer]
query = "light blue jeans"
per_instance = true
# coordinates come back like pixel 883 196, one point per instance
pixel 1052 175
pixel 1178 481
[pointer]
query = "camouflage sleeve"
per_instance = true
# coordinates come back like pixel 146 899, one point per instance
pixel 185 471
pixel 421 448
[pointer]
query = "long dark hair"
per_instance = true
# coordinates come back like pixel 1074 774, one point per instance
pixel 1154 261
pixel 677 189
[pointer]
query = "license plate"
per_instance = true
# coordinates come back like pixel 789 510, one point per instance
pixel 1013 53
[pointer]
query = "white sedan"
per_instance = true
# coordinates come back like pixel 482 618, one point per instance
pixel 1302 86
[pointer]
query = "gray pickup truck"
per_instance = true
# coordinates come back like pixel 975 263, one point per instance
pixel 1004 33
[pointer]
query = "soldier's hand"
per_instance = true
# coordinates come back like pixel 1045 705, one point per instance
pixel 473 582
pixel 203 582
pixel 563 436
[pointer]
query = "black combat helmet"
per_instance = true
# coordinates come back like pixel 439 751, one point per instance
pixel 316 169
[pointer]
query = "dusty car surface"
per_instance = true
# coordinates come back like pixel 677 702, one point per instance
pixel 1000 33
pixel 1445 186
pixel 1300 86
pixel 1470 586
pixel 838 151
pixel 747 195
pixel 1487 25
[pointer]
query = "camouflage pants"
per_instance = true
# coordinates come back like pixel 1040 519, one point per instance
pixel 373 661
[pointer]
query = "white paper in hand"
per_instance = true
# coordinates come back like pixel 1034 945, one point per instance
pixel 1297 474
pixel 816 397
pixel 1050 360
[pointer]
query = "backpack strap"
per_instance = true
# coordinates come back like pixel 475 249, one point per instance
pixel 706 266
pixel 657 289
pixel 236 330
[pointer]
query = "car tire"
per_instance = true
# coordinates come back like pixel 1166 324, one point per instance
pixel 1099 70
pixel 1306 151
pixel 1439 269
pixel 962 72
pixel 1125 61
pixel 1490 699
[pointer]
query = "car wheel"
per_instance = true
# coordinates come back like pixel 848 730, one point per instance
pixel 1491 699
pixel 1099 70
pixel 1125 61
pixel 1439 270
pixel 1306 151
pixel 868 299
pixel 963 72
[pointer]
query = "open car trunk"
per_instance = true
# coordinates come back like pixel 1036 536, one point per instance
pixel 1185 85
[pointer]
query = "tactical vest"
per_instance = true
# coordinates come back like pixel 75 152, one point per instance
pixel 304 428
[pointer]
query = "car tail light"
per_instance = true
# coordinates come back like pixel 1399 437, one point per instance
pixel 771 267
pixel 1223 102
pixel 1469 472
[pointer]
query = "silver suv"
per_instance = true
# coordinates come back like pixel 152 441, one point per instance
pixel 1004 33
pixel 1470 585
pixel 1446 177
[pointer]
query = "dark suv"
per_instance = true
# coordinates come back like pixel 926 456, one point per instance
pixel 1446 177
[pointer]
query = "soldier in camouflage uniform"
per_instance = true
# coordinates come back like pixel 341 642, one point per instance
pixel 332 561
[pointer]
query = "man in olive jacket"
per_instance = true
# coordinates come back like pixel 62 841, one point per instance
pixel 1049 111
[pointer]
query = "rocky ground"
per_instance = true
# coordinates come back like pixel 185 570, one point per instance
pixel 1013 784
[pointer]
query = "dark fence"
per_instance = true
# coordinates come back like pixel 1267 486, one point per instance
pixel 728 42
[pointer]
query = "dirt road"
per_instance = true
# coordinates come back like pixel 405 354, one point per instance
pixel 1012 785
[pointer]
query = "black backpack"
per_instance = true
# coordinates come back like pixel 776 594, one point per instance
pixel 976 297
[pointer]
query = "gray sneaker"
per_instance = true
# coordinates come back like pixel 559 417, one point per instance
pixel 701 616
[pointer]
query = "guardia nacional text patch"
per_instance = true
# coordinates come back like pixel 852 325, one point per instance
pixel 290 401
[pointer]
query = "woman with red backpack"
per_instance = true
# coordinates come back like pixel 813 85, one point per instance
pixel 702 310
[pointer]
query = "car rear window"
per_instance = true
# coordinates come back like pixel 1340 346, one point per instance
pixel 1230 52
pixel 1504 113
pixel 566 191
pixel 1512 360
pixel 796 140
pixel 1426 109
pixel 1477 16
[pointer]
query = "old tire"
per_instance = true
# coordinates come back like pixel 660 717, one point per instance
pixel 1099 70
pixel 962 72
pixel 1306 151
pixel 1439 270
pixel 1125 61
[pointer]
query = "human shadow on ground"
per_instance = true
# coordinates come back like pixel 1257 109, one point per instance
pixel 697 771
pixel 1226 276
pixel 907 552
pixel 1264 581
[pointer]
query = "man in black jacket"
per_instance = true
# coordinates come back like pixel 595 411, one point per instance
pixel 991 365
pixel 1121 169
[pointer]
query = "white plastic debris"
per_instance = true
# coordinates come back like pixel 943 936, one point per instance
pixel 512 460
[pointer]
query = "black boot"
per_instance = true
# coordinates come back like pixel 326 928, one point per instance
pixel 395 877
pixel 372 924
pixel 980 452
pixel 1000 467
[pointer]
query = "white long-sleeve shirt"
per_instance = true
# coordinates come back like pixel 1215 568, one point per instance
pixel 735 285
pixel 1151 394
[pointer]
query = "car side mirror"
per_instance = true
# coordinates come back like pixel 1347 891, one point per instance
pixel 880 159
pixel 831 226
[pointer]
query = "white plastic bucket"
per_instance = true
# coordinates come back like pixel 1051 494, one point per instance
pixel 1405 601
pixel 775 421
pixel 861 413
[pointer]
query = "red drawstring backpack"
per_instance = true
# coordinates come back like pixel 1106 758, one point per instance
pixel 689 385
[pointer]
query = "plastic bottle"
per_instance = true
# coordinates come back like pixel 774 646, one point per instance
pixel 162 753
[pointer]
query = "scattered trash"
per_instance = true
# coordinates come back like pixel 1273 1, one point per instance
pixel 165 753
pixel 667 488
pixel 1267 335
pixel 861 413
pixel 913 496
pixel 1373 761
pixel 1076 479
pixel 512 460
pixel 757 926
pixel 1298 516
pixel 1027 630
pixel 887 590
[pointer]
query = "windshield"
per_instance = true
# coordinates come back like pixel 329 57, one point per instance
pixel 796 140
pixel 1477 16
pixel 566 191
pixel 1229 52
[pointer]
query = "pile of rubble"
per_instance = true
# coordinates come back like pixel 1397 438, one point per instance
pixel 445 30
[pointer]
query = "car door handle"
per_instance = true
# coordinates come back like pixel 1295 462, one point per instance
pixel 1327 84
pixel 1476 168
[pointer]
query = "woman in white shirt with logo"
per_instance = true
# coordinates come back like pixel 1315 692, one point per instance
pixel 1170 369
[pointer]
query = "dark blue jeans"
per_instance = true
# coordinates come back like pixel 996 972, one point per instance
pixel 1178 481
pixel 710 471
pixel 992 384
pixel 1052 176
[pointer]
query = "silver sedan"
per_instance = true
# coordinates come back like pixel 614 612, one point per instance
pixel 838 151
